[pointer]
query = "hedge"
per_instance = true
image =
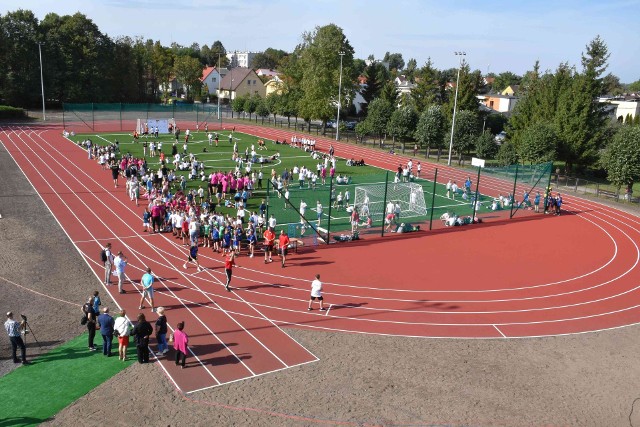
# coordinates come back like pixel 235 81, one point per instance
pixel 7 112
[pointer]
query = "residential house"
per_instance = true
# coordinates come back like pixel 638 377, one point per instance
pixel 211 78
pixel 265 72
pixel 404 85
pixel 172 87
pixel 274 85
pixel 498 103
pixel 511 90
pixel 622 106
pixel 241 59
pixel 241 81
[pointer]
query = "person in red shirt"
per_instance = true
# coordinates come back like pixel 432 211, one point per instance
pixel 269 238
pixel 229 263
pixel 283 244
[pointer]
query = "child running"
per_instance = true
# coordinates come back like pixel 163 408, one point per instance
pixel 193 257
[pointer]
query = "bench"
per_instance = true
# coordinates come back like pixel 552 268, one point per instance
pixel 610 194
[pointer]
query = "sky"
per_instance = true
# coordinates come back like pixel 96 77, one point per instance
pixel 496 35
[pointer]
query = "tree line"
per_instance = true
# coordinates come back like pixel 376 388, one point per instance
pixel 556 118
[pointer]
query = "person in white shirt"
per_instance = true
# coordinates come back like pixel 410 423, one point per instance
pixel 303 210
pixel 272 222
pixel 120 263
pixel 454 190
pixel 316 293
pixel 210 137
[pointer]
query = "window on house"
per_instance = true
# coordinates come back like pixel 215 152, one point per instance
pixel 490 104
pixel 248 82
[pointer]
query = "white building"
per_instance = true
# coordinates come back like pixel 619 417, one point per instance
pixel 211 78
pixel 241 59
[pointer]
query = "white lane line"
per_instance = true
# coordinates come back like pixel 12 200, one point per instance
pixel 498 329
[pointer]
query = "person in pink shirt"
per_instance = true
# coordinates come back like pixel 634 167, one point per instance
pixel 180 343
pixel 332 172
pixel 323 174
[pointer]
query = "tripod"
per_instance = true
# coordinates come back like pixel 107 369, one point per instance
pixel 27 329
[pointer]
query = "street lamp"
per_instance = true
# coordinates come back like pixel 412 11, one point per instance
pixel 339 98
pixel 44 117
pixel 455 104
pixel 219 78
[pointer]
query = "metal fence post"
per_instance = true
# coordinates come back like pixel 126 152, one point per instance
pixel 330 205
pixel 433 198
pixel 513 196
pixel 384 203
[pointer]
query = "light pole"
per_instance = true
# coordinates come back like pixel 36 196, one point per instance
pixel 44 117
pixel 219 78
pixel 339 98
pixel 455 104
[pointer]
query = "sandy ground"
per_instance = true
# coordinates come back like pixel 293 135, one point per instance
pixel 581 380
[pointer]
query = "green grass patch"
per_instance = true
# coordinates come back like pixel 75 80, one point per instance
pixel 34 393
pixel 220 159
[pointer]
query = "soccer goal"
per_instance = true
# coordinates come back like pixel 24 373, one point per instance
pixel 370 199
pixel 144 126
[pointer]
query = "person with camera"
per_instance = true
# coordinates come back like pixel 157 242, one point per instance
pixel 89 320
pixel 14 330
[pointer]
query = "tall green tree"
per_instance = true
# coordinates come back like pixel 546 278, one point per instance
pixel 470 84
pixel 402 123
pixel 431 129
pixel 395 61
pixel 621 157
pixel 188 71
pixel 486 146
pixel 389 92
pixel 376 75
pixel 504 80
pixel 320 64
pixel 427 90
pixel 507 154
pixel 380 112
pixel 465 133
pixel 538 144
pixel 19 66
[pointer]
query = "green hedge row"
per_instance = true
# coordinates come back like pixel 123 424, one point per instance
pixel 7 112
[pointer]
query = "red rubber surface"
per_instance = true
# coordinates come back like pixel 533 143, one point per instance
pixel 535 275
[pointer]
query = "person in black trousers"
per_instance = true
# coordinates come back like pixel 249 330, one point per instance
pixel 14 330
pixel 142 331
pixel 90 315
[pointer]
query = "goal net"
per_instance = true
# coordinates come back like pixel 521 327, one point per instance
pixel 370 199
pixel 144 126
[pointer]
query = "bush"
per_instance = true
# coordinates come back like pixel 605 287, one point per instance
pixel 7 112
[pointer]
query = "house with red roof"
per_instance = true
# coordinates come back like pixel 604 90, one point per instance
pixel 212 78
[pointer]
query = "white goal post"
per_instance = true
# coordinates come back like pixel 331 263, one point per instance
pixel 370 199
pixel 162 124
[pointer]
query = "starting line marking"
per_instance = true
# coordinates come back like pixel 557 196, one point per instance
pixel 329 309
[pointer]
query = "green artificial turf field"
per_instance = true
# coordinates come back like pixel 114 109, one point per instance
pixel 220 158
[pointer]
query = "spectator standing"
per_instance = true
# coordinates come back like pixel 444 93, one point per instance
pixel 90 314
pixel 283 246
pixel 120 264
pixel 147 289
pixel 123 327
pixel 141 332
pixel 106 323
pixel 14 331
pixel 316 293
pixel 269 237
pixel 107 259
pixel 161 332
pixel 180 344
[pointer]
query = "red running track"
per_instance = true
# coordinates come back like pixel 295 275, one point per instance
pixel 531 276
